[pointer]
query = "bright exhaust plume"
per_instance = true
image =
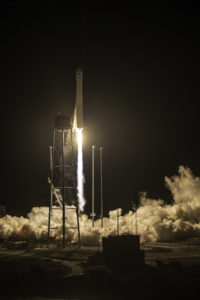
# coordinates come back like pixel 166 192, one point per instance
pixel 80 176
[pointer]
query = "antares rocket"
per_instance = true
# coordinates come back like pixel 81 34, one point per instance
pixel 79 99
pixel 78 128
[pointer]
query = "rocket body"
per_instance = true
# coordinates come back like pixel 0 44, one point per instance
pixel 78 128
pixel 79 99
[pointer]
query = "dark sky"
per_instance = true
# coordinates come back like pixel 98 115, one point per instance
pixel 141 94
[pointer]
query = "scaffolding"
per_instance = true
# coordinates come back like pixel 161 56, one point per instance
pixel 62 179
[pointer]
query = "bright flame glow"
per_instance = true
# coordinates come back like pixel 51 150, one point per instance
pixel 80 176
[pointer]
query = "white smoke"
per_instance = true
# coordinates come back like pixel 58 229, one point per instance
pixel 156 221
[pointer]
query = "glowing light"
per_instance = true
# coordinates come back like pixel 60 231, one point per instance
pixel 80 176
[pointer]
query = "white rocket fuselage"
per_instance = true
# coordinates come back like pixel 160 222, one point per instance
pixel 79 98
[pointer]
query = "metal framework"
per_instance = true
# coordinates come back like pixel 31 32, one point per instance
pixel 63 181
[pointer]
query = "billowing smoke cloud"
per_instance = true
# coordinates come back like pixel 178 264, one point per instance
pixel 156 220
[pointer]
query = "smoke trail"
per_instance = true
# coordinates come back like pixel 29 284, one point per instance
pixel 156 221
pixel 80 176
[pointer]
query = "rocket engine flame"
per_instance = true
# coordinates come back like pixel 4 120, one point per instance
pixel 80 176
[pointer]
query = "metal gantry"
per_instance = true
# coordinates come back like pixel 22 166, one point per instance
pixel 63 179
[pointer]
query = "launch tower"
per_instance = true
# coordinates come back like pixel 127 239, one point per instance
pixel 66 166
pixel 62 177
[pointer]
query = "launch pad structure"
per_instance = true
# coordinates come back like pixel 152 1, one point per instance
pixel 62 176
pixel 65 186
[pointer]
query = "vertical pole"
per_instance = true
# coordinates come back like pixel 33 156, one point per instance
pixel 101 184
pixel 93 147
pixel 49 223
pixel 63 187
pixel 78 225
pixel 51 160
pixel 51 199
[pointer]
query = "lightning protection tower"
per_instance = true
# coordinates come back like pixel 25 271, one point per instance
pixel 62 178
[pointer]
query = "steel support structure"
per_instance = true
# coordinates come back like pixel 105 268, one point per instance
pixel 63 180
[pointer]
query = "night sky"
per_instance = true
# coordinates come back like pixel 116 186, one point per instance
pixel 141 94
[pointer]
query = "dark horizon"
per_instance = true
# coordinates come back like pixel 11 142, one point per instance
pixel 140 74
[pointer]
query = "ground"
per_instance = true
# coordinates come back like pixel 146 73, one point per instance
pixel 35 272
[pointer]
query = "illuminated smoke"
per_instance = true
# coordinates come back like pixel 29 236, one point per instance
pixel 156 221
pixel 80 176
